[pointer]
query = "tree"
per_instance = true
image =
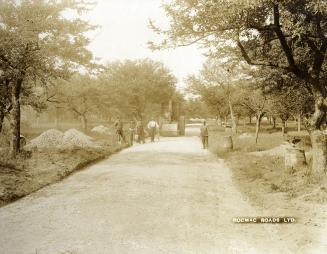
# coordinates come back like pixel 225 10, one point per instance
pixel 253 99
pixel 212 95
pixel 39 44
pixel 286 103
pixel 137 87
pixel 218 84
pixel 81 96
pixel 196 108
pixel 289 36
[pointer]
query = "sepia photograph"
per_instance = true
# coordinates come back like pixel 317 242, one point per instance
pixel 163 126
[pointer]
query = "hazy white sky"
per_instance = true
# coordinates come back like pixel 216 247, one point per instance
pixel 124 34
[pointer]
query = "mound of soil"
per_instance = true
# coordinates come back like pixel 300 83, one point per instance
pixel 56 139
pixel 76 138
pixel 48 139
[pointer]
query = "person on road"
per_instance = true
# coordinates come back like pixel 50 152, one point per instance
pixel 131 132
pixel 140 132
pixel 204 135
pixel 119 130
pixel 153 126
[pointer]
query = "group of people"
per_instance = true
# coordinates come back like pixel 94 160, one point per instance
pixel 136 128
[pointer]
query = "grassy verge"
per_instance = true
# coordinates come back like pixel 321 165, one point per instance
pixel 263 181
pixel 260 176
pixel 33 171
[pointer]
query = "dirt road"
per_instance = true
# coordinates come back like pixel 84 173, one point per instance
pixel 167 197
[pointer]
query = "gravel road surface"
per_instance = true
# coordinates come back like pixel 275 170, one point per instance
pixel 165 197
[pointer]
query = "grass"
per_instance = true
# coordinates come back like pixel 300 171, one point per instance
pixel 265 174
pixel 273 191
pixel 266 141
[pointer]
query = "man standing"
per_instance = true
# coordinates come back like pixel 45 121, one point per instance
pixel 131 132
pixel 204 135
pixel 119 130
pixel 140 132
pixel 152 126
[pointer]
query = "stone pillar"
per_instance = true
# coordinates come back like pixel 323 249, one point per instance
pixel 181 125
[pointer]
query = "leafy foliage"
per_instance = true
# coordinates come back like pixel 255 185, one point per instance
pixel 284 36
pixel 38 44
pixel 136 88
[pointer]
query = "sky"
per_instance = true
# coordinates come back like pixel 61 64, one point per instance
pixel 124 32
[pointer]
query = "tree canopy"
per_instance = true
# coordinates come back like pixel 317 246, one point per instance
pixel 137 88
pixel 289 36
pixel 38 43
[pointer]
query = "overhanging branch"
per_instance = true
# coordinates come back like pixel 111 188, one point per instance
pixel 250 62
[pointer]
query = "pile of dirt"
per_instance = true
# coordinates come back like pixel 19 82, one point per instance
pixel 56 139
pixel 48 139
pixel 76 138
pixel 101 129
pixel 278 151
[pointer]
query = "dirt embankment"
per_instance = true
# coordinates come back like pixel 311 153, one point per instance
pixel 263 181
pixel 35 169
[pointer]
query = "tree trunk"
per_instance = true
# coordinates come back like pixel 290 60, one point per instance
pixel 2 118
pixel 15 118
pixel 257 127
pixel 283 127
pixel 274 122
pixel 319 153
pixel 84 122
pixel 170 111
pixel 299 123
pixel 318 138
pixel 234 124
